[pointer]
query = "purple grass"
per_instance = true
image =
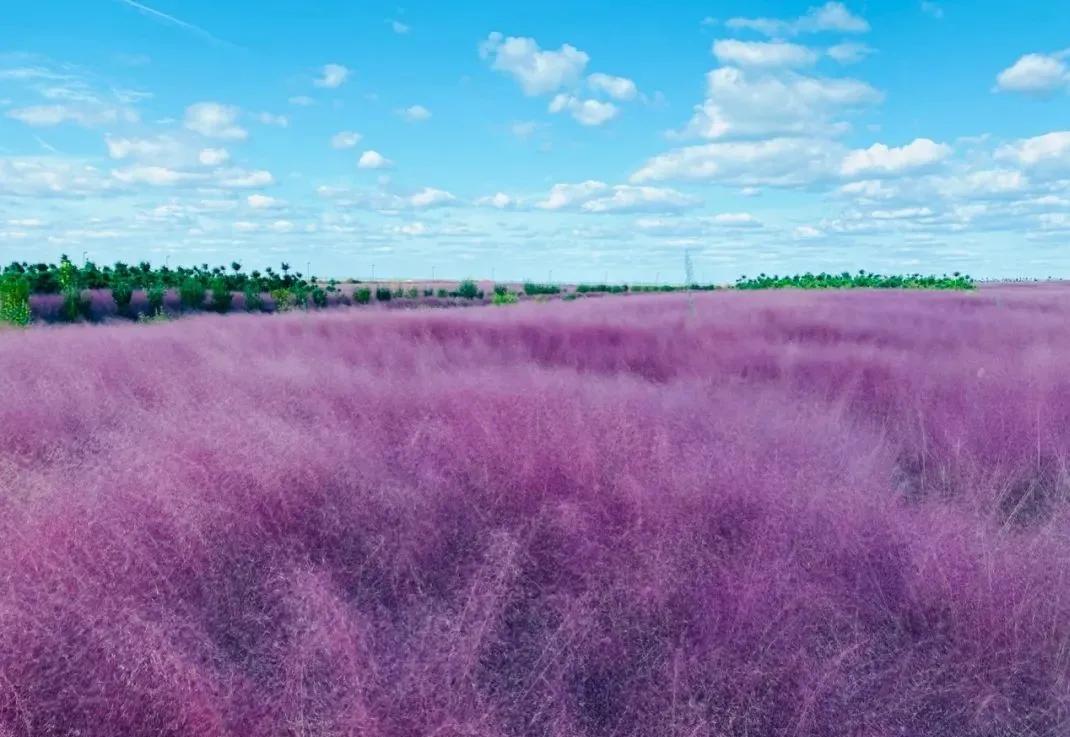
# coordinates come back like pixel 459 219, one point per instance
pixel 787 514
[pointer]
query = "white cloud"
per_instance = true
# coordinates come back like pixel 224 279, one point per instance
pixel 213 120
pixel 399 27
pixel 881 159
pixel 282 226
pixel 415 113
pixel 213 156
pixel 48 176
pixel 628 198
pixel 1051 150
pixel 271 119
pixel 373 160
pixel 781 162
pixel 263 202
pixel 565 195
pixel 849 53
pixel 832 16
pixel 748 103
pixel 241 179
pixel 737 220
pixel 619 88
pixel 345 139
pixel 806 233
pixel 430 197
pixel 142 148
pixel 332 76
pixel 156 176
pixel 48 115
pixel 586 112
pixel 1035 74
pixel 523 128
pixel 537 71
pixel 499 200
pixel 593 196
pixel 762 54
pixel 302 101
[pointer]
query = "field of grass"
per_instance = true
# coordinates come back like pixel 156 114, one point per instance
pixel 777 513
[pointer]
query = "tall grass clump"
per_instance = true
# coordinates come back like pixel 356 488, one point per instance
pixel 784 513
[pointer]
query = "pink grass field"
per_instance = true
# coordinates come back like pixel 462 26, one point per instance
pixel 782 514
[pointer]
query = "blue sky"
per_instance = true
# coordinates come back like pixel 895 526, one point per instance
pixel 539 141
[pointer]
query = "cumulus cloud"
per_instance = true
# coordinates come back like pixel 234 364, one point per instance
pixel 619 88
pixel 882 159
pixel 263 202
pixel 155 176
pixel 49 115
pixel 593 196
pixel 537 71
pixel 499 200
pixel 415 113
pixel 241 179
pixel 345 139
pixel 332 76
pixel 832 17
pixel 399 27
pixel 586 112
pixel 762 53
pixel 50 177
pixel 431 197
pixel 213 156
pixel 1048 151
pixel 849 53
pixel 750 103
pixel 782 162
pixel 1035 74
pixel 371 159
pixel 213 120
pixel 280 121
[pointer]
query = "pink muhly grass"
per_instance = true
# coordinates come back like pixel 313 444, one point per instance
pixel 785 514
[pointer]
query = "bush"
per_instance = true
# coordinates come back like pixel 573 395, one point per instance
pixel 413 293
pixel 505 298
pixel 191 294
pixel 122 292
pixel 443 294
pixel 283 299
pixel 531 288
pixel 221 296
pixel 468 289
pixel 15 300
pixel 383 294
pixel 155 295
pixel 319 298
pixel 362 295
pixel 251 296
pixel 501 289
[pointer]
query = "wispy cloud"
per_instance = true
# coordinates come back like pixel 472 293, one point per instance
pixel 178 22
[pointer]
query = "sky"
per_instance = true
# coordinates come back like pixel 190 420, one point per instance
pixel 555 141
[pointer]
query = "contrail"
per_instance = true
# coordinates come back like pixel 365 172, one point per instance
pixel 176 22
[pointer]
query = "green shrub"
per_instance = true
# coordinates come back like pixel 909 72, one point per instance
pixel 155 295
pixel 122 292
pixel 468 289
pixel 319 297
pixel 501 289
pixel 383 294
pixel 221 296
pixel 191 294
pixel 530 288
pixel 429 292
pixel 413 293
pixel 253 301
pixel 505 298
pixel 283 299
pixel 15 300
pixel 442 293
pixel 362 295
